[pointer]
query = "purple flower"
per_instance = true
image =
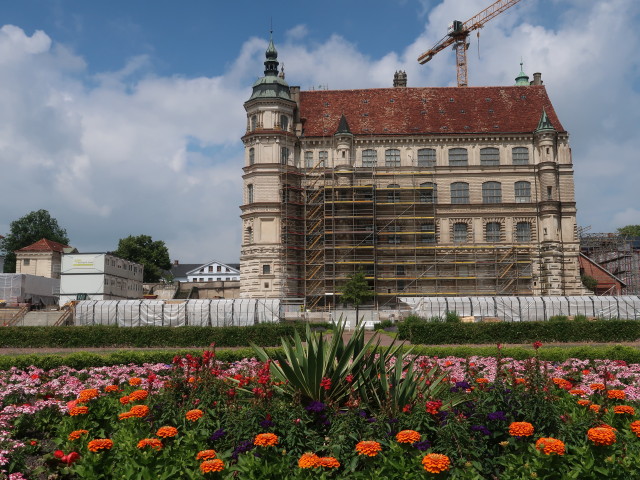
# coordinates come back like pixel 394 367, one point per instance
pixel 217 435
pixel 423 446
pixel 242 447
pixel 266 423
pixel 316 407
pixel 496 416
pixel 482 429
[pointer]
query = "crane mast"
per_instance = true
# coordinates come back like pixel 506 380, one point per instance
pixel 458 33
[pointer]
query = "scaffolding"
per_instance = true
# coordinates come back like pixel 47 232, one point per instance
pixel 619 254
pixel 383 221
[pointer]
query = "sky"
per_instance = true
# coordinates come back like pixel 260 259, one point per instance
pixel 124 118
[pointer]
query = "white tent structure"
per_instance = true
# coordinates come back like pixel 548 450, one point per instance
pixel 178 313
pixel 518 309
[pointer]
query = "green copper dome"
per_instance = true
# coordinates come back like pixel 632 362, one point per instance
pixel 522 78
pixel 271 85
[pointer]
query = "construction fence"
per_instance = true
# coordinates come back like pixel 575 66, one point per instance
pixel 520 309
pixel 171 313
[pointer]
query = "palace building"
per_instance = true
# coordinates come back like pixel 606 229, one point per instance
pixel 429 191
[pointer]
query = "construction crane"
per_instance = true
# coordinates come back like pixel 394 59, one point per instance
pixel 458 33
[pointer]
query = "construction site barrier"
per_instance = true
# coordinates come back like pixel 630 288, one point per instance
pixel 518 309
pixel 172 313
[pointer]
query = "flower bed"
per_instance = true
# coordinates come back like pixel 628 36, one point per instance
pixel 476 418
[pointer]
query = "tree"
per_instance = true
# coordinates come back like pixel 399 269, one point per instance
pixel 154 256
pixel 630 230
pixel 589 282
pixel 356 291
pixel 29 229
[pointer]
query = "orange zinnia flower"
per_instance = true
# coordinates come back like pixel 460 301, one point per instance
pixel 125 415
pixel 308 460
pixel 206 455
pixel 368 448
pixel 216 465
pixel 624 409
pixel 76 434
pixel 577 391
pixel 482 380
pixel 594 408
pixel 635 428
pixel 154 443
pixel 328 462
pixel 88 394
pixel 436 463
pixel 583 402
pixel 139 411
pixel 407 436
pixel 597 386
pixel 602 436
pixel 266 440
pixel 111 388
pixel 78 411
pixel 520 429
pixel 138 395
pixel 550 446
pixel 124 400
pixel 193 415
pixel 166 432
pixel 133 381
pixel 617 394
pixel 100 444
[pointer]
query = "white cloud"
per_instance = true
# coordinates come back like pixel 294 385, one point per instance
pixel 131 152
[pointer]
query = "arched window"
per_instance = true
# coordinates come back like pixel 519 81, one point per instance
pixel 426 157
pixel 523 192
pixel 523 232
pixel 458 157
pixel 252 156
pixel 284 155
pixel 459 192
pixel 254 122
pixel 460 232
pixel 393 196
pixel 392 157
pixel 250 193
pixel 428 192
pixel 489 156
pixel 308 159
pixel 284 122
pixel 369 158
pixel 493 232
pixel 520 156
pixel 491 192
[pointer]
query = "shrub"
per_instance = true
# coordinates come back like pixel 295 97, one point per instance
pixel 559 318
pixel 451 317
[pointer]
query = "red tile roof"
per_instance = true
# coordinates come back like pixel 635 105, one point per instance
pixel 44 245
pixel 429 111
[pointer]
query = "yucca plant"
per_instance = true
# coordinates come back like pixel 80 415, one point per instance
pixel 316 368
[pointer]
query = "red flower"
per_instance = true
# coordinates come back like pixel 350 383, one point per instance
pixel 325 383
pixel 70 458
pixel 349 378
pixel 58 454
pixel 537 345
pixel 433 407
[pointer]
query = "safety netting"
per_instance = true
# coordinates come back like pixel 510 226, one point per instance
pixel 527 308
pixel 22 288
pixel 178 313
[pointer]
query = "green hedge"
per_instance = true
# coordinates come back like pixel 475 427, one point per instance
pixel 442 333
pixel 85 359
pixel 264 334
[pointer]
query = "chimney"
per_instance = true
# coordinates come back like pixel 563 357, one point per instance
pixel 176 263
pixel 537 79
pixel 400 79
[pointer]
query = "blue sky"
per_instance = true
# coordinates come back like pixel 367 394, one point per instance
pixel 125 117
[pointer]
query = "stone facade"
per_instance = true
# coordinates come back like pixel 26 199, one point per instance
pixel 430 191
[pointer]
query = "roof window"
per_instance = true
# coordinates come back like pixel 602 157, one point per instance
pixel 392 100
pixel 451 99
